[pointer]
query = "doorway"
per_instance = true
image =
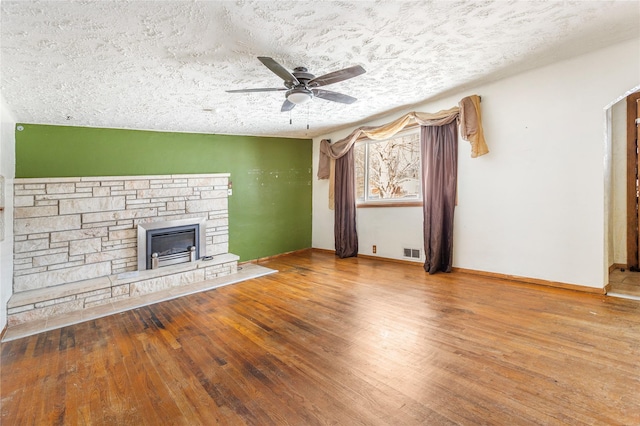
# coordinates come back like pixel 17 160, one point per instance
pixel 624 280
pixel 633 182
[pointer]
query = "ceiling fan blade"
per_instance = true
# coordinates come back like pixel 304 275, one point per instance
pixel 278 69
pixel 336 76
pixel 262 89
pixel 287 106
pixel 333 96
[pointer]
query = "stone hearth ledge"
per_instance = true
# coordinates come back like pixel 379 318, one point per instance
pixel 62 299
pixel 245 272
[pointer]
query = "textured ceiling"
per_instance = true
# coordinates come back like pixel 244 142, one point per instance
pixel 165 65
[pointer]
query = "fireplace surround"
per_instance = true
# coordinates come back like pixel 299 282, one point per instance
pixel 76 246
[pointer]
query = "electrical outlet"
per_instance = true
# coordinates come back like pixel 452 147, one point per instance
pixel 374 248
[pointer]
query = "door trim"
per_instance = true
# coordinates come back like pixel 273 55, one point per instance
pixel 632 198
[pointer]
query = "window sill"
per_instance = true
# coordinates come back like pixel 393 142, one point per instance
pixel 391 204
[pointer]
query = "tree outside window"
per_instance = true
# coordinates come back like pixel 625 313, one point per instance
pixel 388 170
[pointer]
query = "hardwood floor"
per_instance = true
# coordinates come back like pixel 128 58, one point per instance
pixel 624 283
pixel 347 342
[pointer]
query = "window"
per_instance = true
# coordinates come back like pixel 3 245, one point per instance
pixel 388 171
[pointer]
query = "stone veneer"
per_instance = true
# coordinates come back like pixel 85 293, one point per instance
pixel 75 239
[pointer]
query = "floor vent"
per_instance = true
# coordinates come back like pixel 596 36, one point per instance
pixel 412 253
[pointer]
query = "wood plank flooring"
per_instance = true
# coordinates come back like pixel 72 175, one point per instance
pixel 345 342
pixel 625 283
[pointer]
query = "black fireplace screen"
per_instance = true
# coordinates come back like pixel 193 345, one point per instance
pixel 172 242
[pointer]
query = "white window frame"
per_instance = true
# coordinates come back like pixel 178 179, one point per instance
pixel 390 202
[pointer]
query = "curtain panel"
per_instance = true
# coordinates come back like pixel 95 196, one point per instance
pixel 344 227
pixel 439 149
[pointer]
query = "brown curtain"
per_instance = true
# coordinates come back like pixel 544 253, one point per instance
pixel 346 237
pixel 439 146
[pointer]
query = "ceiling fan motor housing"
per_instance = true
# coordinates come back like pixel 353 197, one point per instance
pixel 303 77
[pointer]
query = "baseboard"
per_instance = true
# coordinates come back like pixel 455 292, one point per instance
pixel 264 259
pixel 368 256
pixel 324 250
pixel 390 259
pixel 536 281
pixel 618 266
pixel 516 278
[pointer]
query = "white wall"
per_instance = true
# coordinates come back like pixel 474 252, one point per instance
pixel 534 206
pixel 7 169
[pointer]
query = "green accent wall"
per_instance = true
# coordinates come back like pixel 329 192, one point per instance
pixel 269 211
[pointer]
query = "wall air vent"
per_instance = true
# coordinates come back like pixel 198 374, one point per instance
pixel 412 253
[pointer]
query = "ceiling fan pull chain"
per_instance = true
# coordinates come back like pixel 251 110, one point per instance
pixel 290 122
pixel 307 117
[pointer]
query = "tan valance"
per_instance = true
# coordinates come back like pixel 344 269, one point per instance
pixel 469 122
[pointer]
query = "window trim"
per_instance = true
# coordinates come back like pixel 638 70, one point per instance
pixel 389 204
pixel 414 127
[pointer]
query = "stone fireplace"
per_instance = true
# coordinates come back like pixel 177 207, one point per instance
pixel 76 239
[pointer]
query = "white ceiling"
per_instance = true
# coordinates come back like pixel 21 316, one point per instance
pixel 165 65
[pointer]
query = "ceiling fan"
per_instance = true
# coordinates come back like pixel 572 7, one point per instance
pixel 301 86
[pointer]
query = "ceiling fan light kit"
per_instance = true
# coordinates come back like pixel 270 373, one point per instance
pixel 301 86
pixel 299 96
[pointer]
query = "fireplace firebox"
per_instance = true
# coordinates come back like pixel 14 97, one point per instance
pixel 170 242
